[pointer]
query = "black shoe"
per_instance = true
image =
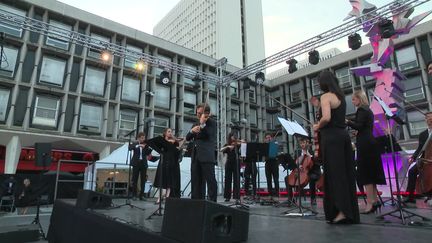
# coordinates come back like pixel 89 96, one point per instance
pixel 343 221
pixel 227 199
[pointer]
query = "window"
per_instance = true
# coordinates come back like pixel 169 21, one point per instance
pixel 189 81
pixel 316 90
pixel 211 86
pixel 235 112
pixel 4 101
pixel 8 62
pixel 253 117
pixel 162 96
pixel 160 123
pixel 189 102
pixel 129 63
pixel 295 117
pixel 350 108
pixel 131 89
pixel 295 92
pixel 96 53
pixel 234 89
pixel 52 71
pixel 162 59
pixel 252 94
pixel 254 137
pixel 416 122
pixel 128 121
pixel 46 111
pixel 187 125
pixel 406 58
pixel 270 121
pixel 213 106
pixel 59 42
pixel 94 81
pixel 90 117
pixel 9 28
pixel 343 74
pixel 367 78
pixel 414 88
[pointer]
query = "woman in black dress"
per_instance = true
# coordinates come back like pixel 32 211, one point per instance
pixel 169 167
pixel 232 168
pixel 369 167
pixel 340 201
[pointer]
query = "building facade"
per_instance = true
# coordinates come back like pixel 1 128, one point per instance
pixel 217 28
pixel 55 91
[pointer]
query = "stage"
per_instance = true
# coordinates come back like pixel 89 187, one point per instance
pixel 269 224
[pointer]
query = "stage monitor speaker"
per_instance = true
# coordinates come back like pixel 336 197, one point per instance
pixel 94 200
pixel 19 233
pixel 196 221
pixel 43 154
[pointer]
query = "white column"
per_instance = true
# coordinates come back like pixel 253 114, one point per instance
pixel 13 152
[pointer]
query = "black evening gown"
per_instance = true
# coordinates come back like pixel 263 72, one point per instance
pixel 339 174
pixel 369 166
pixel 170 169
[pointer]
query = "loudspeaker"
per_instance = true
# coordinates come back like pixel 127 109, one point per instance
pixel 19 233
pixel 43 154
pixel 90 199
pixel 196 221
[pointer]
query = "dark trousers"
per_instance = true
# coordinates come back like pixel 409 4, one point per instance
pixel 272 171
pixel 232 174
pixel 250 177
pixel 202 173
pixel 412 178
pixel 136 172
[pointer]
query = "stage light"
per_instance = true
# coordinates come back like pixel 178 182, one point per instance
pixel 386 28
pixel 164 77
pixel 140 65
pixel 246 83
pixel 292 65
pixel 314 57
pixel 105 56
pixel 259 78
pixel 354 41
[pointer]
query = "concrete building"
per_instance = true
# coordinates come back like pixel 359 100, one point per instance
pixel 217 28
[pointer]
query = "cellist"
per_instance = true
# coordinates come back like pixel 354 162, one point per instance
pixel 304 163
pixel 413 172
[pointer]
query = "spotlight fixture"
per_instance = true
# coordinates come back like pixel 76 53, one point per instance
pixel 314 57
pixel 292 65
pixel 246 83
pixel 105 56
pixel 140 65
pixel 259 78
pixel 354 41
pixel 164 77
pixel 386 28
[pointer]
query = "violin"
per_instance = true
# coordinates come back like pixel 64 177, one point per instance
pixel 305 164
pixel 317 151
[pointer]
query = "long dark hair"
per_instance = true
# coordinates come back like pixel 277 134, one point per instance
pixel 231 134
pixel 329 83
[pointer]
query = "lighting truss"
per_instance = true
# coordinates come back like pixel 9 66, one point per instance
pixel 46 29
pixel 343 30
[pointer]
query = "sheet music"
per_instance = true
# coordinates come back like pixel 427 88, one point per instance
pixel 385 107
pixel 292 127
pixel 243 149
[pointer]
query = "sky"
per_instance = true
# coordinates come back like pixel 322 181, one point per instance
pixel 286 22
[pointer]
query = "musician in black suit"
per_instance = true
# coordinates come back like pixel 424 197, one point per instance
pixel 203 137
pixel 8 186
pixel 139 163
pixel 413 172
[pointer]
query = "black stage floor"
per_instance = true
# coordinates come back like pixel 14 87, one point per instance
pixel 269 223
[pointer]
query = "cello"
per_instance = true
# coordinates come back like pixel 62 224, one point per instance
pixel 305 163
pixel 424 164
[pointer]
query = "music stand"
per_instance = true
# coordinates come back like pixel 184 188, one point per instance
pixel 128 160
pixel 288 164
pixel 42 159
pixel 160 145
pixel 384 145
pixel 254 153
pixel 402 213
pixel 297 131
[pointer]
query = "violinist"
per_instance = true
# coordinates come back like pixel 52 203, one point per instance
pixel 413 172
pixel 304 163
pixel 139 163
pixel 169 169
pixel 232 167
pixel 203 139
